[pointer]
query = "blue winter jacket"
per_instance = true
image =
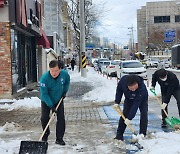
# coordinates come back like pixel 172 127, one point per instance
pixel 140 95
pixel 51 89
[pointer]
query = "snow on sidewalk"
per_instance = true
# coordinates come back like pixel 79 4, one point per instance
pixel 104 90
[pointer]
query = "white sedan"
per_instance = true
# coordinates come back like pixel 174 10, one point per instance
pixel 132 67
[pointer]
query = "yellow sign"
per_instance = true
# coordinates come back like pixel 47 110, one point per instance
pixel 83 61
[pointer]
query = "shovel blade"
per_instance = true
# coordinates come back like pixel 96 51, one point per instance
pixel 173 122
pixel 33 147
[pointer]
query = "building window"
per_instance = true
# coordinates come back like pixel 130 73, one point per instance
pixel 161 19
pixel 177 18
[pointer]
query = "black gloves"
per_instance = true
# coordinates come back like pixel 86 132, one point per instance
pixel 63 95
pixel 53 108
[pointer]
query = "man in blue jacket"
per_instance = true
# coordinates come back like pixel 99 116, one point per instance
pixel 136 96
pixel 54 85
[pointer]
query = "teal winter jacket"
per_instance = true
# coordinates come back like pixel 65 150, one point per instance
pixel 52 89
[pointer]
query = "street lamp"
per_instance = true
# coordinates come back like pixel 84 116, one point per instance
pixel 147 37
pixel 132 37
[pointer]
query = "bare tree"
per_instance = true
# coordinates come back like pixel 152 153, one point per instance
pixel 92 15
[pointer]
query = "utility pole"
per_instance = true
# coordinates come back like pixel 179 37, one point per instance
pixel 82 38
pixel 132 38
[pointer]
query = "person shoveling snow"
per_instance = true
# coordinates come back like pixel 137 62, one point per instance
pixel 136 96
pixel 169 84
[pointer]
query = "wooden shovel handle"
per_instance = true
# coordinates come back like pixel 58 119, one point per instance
pixel 52 116
pixel 160 105
pixel 153 91
pixel 118 109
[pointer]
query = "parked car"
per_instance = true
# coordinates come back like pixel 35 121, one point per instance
pixel 113 68
pixel 100 62
pixel 94 62
pixel 152 62
pixel 117 62
pixel 104 65
pixel 132 67
pixel 164 63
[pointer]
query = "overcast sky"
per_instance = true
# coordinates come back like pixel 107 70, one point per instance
pixel 121 14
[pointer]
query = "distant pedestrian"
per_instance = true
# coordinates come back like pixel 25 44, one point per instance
pixel 61 64
pixel 73 62
pixel 136 96
pixel 54 85
pixel 169 84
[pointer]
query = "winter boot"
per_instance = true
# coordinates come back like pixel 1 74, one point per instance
pixel 119 137
pixel 60 142
pixel 163 124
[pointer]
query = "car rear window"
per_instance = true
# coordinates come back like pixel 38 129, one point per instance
pixel 115 63
pixel 106 63
pixel 131 65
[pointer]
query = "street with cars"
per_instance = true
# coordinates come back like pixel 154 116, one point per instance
pixel 119 68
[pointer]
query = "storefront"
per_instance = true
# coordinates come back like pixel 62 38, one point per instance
pixel 23 54
pixel 18 39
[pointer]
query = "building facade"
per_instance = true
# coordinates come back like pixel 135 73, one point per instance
pixel 20 26
pixel 53 24
pixel 158 27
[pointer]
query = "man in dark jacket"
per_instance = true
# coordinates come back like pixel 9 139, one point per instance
pixel 169 84
pixel 54 85
pixel 73 62
pixel 136 96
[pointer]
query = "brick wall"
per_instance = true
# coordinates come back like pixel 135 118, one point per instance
pixel 5 61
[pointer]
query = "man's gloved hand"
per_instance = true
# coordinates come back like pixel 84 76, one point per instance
pixel 63 95
pixel 115 106
pixel 163 106
pixel 127 121
pixel 152 88
pixel 53 108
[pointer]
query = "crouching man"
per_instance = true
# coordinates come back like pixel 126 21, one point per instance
pixel 136 96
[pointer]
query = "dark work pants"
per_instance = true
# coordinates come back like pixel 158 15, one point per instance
pixel 143 118
pixel 60 124
pixel 72 66
pixel 176 95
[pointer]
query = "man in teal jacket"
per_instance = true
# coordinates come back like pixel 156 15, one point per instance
pixel 54 85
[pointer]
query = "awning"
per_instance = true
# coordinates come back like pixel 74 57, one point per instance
pixel 43 40
pixel 1 3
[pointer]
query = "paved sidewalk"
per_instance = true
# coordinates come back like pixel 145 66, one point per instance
pixel 87 127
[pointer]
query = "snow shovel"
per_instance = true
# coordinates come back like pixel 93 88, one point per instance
pixel 37 147
pixel 171 121
pixel 118 109
pixel 134 138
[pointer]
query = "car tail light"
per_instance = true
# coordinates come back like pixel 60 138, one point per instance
pixel 111 66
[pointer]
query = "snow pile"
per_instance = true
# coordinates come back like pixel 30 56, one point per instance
pixel 26 103
pixel 11 127
pixel 9 147
pixel 162 142
pixel 104 89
